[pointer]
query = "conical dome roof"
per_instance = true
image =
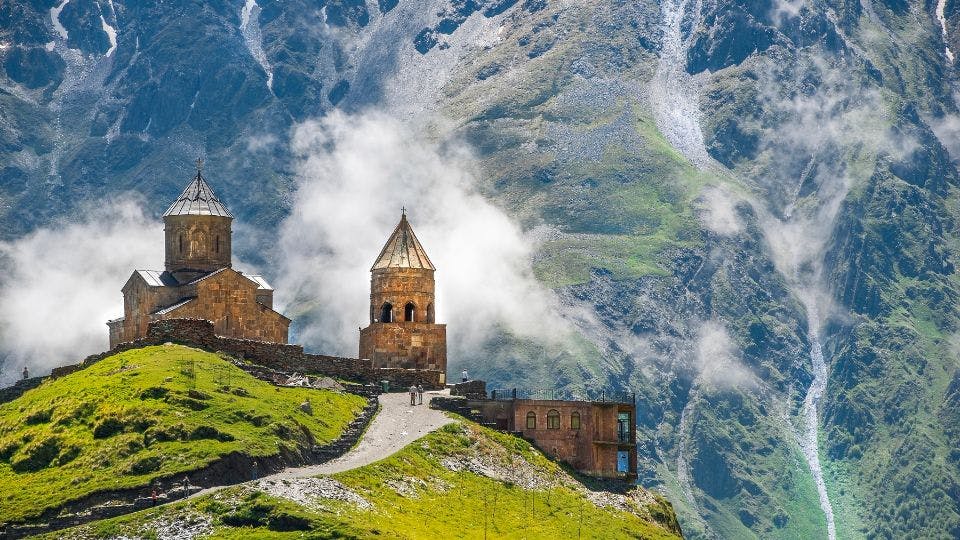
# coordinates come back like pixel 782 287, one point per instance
pixel 198 199
pixel 403 250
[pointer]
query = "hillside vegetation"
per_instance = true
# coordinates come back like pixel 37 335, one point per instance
pixel 145 414
pixel 462 481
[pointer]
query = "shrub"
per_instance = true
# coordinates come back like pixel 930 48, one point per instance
pixel 196 394
pixel 258 511
pixel 281 521
pixel 187 402
pixel 154 392
pixel 39 417
pixel 207 432
pixel 68 454
pixel 145 465
pixel 37 456
pixel 176 432
pixel 108 427
pixel 7 450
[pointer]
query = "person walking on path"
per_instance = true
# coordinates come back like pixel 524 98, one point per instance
pixel 413 395
pixel 153 497
pixel 420 394
pixel 253 470
pixel 465 376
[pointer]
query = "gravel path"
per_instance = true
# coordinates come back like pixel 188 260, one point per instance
pixel 396 425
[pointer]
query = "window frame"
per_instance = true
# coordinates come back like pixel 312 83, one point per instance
pixel 575 415
pixel 532 416
pixel 553 419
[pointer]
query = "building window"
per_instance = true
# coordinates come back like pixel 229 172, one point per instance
pixel 386 312
pixel 575 420
pixel 553 419
pixel 181 243
pixel 408 311
pixel 216 244
pixel 430 313
pixel 624 427
pixel 531 420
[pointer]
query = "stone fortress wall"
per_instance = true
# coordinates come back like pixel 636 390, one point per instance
pixel 200 333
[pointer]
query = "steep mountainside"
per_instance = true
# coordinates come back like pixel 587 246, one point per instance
pixel 461 481
pixel 748 209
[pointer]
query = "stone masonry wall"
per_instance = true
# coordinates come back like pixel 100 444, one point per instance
pixel 283 357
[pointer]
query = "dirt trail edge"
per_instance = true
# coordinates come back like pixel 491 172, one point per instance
pixel 396 425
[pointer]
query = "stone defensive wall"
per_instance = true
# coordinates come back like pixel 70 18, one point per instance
pixel 281 357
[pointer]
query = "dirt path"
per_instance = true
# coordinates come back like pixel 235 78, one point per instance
pixel 396 425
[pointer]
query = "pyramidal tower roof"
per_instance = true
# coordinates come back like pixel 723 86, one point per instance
pixel 198 199
pixel 403 250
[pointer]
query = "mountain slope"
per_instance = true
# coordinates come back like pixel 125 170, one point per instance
pixel 147 414
pixel 463 481
pixel 748 210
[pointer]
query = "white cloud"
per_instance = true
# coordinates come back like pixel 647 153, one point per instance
pixel 356 172
pixel 719 211
pixel 718 358
pixel 62 283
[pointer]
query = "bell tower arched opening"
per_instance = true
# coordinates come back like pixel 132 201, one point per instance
pixel 386 312
pixel 409 312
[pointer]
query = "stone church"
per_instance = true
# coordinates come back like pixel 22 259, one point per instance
pixel 198 281
pixel 402 331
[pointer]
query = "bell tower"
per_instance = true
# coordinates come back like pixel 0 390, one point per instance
pixel 403 332
pixel 197 230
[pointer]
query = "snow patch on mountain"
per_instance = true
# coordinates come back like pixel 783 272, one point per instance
pixel 55 19
pixel 111 35
pixel 941 6
pixel 250 30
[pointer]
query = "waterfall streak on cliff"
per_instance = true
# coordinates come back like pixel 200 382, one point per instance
pixel 673 93
pixel 809 439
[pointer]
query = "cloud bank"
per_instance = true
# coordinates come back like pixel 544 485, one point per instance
pixel 62 283
pixel 356 172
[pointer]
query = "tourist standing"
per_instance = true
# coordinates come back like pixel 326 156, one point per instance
pixel 420 394
pixel 413 395
pixel 153 497
pixel 26 373
pixel 465 376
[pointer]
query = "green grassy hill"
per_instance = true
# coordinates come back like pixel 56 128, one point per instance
pixel 462 481
pixel 145 414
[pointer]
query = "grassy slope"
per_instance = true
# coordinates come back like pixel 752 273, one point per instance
pixel 437 502
pixel 143 414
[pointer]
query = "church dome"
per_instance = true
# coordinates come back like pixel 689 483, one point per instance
pixel 198 199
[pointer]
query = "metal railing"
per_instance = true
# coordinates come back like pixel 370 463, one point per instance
pixel 557 394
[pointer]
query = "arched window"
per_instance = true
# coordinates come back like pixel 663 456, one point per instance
pixel 574 420
pixel 531 420
pixel 409 311
pixel 386 312
pixel 553 419
pixel 430 313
